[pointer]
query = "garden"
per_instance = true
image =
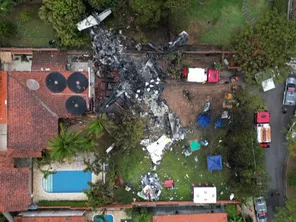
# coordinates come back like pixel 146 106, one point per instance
pixel 219 21
pixel 22 27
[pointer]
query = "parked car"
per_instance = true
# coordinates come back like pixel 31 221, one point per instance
pixel 260 209
pixel 290 92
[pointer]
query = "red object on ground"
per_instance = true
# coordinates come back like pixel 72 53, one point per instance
pixel 263 117
pixel 185 73
pixel 213 75
pixel 168 183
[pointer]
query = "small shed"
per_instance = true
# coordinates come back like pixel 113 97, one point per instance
pixel 214 162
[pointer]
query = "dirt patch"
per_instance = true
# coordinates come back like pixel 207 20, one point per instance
pixel 188 111
pixel 202 61
pixel 193 32
pixel 291 166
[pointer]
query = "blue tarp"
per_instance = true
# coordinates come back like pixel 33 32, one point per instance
pixel 203 119
pixel 215 162
pixel 219 123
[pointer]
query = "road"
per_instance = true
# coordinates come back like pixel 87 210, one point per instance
pixel 275 156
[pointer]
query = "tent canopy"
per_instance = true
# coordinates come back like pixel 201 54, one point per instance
pixel 215 162
pixel 268 84
pixel 204 195
pixel 194 145
pixel 203 119
pixel 197 75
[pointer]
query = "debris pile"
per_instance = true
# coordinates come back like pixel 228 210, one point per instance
pixel 140 84
pixel 151 188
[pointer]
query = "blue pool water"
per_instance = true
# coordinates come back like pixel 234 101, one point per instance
pixel 108 217
pixel 71 181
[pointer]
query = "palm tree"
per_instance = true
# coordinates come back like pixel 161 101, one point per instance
pixel 67 144
pixel 95 130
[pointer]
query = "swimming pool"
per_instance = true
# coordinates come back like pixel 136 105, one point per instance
pixel 108 217
pixel 68 181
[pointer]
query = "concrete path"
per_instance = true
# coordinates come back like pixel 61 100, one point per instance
pixel 275 156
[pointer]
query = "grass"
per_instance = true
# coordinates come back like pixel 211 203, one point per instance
pixel 183 170
pixel 218 21
pixel 61 203
pixel 31 31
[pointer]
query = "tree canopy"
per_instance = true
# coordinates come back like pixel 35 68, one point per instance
pixel 266 44
pixel 291 139
pixel 63 16
pixel 286 213
pixel 245 156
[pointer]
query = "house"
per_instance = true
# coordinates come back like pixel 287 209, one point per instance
pixel 31 106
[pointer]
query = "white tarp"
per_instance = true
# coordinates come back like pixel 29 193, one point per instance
pixel 156 149
pixel 205 195
pixel 197 75
pixel 268 84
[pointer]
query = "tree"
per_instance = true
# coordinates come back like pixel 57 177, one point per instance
pixel 286 213
pixel 5 5
pixel 98 195
pixel 291 139
pixel 129 132
pixel 292 179
pixel 66 144
pixel 245 157
pixel 151 13
pixel 148 12
pixel 266 44
pixel 7 29
pixel 63 16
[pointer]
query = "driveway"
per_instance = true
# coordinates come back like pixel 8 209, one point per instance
pixel 275 156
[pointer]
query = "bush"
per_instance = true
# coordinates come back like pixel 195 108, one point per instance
pixel 25 16
pixel 292 179
pixel 7 29
pixel 61 203
pixel 231 211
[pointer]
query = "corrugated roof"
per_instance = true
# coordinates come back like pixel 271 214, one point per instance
pixel 213 217
pixel 53 61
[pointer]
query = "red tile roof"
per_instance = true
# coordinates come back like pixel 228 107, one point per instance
pixel 54 61
pixel 14 189
pixel 50 219
pixel 33 114
pixel 213 217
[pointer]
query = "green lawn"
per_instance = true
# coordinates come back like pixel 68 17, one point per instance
pixel 31 32
pixel 218 21
pixel 176 166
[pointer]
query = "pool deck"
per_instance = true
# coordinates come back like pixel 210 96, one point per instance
pixel 40 194
pixel 117 214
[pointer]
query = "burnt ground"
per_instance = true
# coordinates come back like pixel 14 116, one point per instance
pixel 199 93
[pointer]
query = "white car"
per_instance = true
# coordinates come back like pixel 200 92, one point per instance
pixel 261 209
pixel 290 92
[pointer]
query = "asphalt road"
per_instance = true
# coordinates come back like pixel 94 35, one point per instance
pixel 275 156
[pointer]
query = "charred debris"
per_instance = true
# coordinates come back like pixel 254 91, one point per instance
pixel 135 84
